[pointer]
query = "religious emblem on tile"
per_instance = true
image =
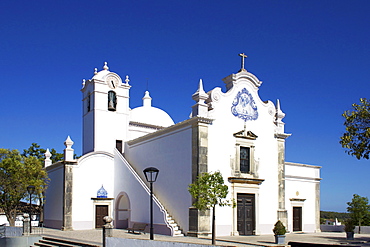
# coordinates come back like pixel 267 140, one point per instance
pixel 244 106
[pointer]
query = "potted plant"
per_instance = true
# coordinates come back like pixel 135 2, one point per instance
pixel 279 232
pixel 349 228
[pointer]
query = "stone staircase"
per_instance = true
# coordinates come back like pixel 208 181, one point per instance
pixel 176 230
pixel 55 242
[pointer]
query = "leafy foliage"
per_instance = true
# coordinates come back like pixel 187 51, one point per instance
pixel 329 215
pixel 35 151
pixel 208 191
pixel 357 136
pixel 16 173
pixel 358 209
pixel 279 228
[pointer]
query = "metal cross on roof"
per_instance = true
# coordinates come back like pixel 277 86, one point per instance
pixel 243 56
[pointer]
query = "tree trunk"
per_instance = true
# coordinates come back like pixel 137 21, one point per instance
pixel 11 217
pixel 214 226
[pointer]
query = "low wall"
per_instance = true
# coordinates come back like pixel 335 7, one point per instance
pixel 118 242
pixel 331 228
pixel 299 244
pixel 13 231
pixel 19 241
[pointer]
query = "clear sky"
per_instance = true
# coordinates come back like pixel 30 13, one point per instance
pixel 312 55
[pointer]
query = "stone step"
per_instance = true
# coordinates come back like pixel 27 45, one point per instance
pixel 178 233
pixel 55 242
pixel 44 242
pixel 175 227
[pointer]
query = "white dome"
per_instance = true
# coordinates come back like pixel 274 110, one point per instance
pixel 147 114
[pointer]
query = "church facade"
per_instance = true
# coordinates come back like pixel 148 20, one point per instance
pixel 231 131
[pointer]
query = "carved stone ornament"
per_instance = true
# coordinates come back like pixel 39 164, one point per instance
pixel 244 106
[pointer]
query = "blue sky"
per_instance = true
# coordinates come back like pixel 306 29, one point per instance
pixel 312 55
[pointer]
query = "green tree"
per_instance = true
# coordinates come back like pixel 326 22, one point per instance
pixel 358 209
pixel 356 139
pixel 35 151
pixel 208 191
pixel 16 173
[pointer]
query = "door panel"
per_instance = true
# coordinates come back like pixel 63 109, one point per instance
pixel 246 214
pixel 100 212
pixel 297 218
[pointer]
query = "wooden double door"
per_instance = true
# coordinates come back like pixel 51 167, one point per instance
pixel 246 214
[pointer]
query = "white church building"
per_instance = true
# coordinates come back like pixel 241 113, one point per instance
pixel 230 130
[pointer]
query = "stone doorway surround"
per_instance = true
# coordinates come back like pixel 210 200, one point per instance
pixel 101 202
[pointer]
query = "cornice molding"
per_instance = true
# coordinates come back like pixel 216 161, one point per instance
pixel 245 180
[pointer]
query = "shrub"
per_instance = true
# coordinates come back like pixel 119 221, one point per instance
pixel 279 228
pixel 349 226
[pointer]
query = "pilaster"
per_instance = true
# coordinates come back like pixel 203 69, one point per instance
pixel 67 196
pixel 282 214
pixel 199 221
pixel 317 207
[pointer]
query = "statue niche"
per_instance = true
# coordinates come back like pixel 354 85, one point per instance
pixel 112 101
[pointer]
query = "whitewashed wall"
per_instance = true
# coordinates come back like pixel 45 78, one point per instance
pixel 300 185
pixel 93 171
pixel 171 154
pixel 53 208
pixel 129 183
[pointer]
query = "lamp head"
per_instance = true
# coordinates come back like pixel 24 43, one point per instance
pixel 151 174
pixel 31 189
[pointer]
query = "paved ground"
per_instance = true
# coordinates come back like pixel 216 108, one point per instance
pixel 95 237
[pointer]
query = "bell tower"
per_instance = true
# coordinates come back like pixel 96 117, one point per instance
pixel 105 113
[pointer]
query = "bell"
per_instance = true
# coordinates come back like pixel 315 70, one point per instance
pixel 111 106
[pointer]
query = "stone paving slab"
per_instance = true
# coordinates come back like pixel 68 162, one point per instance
pixel 333 238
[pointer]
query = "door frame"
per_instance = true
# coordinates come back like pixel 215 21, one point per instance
pixel 243 188
pixel 296 202
pixel 118 210
pixel 103 202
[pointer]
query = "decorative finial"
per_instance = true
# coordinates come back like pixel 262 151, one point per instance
pixel 47 161
pixel 127 80
pixel 147 100
pixel 68 151
pixel 200 90
pixel 68 142
pixel 105 66
pixel 243 56
pixel 200 108
pixel 95 71
pixel 47 154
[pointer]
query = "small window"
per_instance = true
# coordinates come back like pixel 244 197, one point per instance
pixel 89 103
pixel 119 145
pixel 244 159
